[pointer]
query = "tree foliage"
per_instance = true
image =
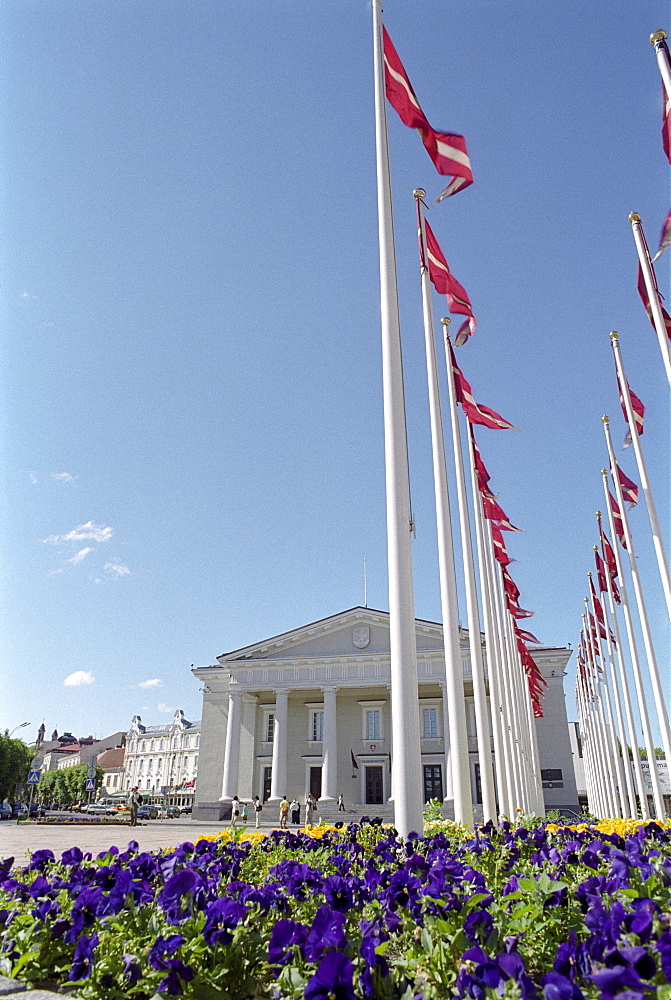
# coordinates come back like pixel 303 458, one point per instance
pixel 15 758
pixel 67 784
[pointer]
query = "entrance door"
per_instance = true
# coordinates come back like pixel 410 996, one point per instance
pixel 433 782
pixel 267 776
pixel 373 785
pixel 316 782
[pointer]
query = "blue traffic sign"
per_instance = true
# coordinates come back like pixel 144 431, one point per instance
pixel 90 785
pixel 33 777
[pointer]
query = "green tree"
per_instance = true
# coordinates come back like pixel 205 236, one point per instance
pixel 15 758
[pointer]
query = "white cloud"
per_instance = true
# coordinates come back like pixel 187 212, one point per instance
pixel 32 478
pixel 78 556
pixel 164 708
pixel 94 532
pixel 117 568
pixel 155 682
pixel 78 678
pixel 63 477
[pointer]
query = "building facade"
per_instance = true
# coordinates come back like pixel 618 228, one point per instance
pixel 309 711
pixel 162 757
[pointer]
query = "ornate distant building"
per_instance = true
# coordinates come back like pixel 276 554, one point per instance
pixel 163 757
pixel 309 710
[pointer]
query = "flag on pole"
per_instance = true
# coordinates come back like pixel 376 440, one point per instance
pixel 617 520
pixel 527 636
pixel 494 512
pixel 665 238
pixel 601 573
pixel 636 405
pixel 629 488
pixel 500 553
pixel 643 292
pixel 476 413
pixel 355 764
pixel 666 113
pixel 609 556
pixel 448 152
pixel 446 284
pixel 480 467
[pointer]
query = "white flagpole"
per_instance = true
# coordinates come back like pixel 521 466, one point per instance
pixel 649 278
pixel 588 745
pixel 657 539
pixel 657 39
pixel 491 639
pixel 615 729
pixel 510 732
pixel 515 705
pixel 626 610
pixel 626 694
pixel 407 781
pixel 607 777
pixel 660 704
pixel 627 795
pixel 454 671
pixel 474 640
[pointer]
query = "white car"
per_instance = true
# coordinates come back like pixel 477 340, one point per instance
pixel 99 809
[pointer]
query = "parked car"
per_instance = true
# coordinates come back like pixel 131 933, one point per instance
pixel 186 810
pixel 5 810
pixel 172 812
pixel 35 809
pixel 99 809
pixel 147 812
pixel 19 809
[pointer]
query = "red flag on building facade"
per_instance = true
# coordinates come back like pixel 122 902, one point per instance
pixel 448 152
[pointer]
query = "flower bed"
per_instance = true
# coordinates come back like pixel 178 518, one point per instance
pixel 352 913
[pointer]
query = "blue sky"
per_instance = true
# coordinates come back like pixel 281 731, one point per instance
pixel 192 452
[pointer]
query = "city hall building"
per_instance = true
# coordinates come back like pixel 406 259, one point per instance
pixel 309 711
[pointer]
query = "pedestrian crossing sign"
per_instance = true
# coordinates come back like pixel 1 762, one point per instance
pixel 33 777
pixel 90 785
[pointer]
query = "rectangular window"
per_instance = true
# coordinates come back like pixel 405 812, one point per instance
pixel 429 724
pixel 551 774
pixel 317 728
pixel 433 781
pixel 270 727
pixel 373 724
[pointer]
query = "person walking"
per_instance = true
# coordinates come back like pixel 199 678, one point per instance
pixel 244 812
pixel 257 810
pixel 134 800
pixel 296 812
pixel 310 804
pixel 235 810
pixel 341 803
pixel 284 812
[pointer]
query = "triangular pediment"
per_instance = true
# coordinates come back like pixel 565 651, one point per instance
pixel 356 631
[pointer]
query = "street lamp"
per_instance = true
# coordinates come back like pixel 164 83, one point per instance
pixel 20 726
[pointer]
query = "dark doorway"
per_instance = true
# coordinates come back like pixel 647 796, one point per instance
pixel 267 777
pixel 433 782
pixel 316 782
pixel 373 786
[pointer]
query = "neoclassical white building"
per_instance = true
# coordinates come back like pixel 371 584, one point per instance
pixel 162 757
pixel 309 710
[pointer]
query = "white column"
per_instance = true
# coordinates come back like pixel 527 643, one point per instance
pixel 329 748
pixel 232 754
pixel 278 779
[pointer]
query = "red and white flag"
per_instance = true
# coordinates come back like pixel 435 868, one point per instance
pixel 483 476
pixel 500 553
pixel 629 488
pixel 609 556
pixel 448 152
pixel 666 114
pixel 527 636
pixel 601 573
pixel 636 405
pixel 476 413
pixel 617 520
pixel 665 238
pixel 494 512
pixel 446 284
pixel 643 292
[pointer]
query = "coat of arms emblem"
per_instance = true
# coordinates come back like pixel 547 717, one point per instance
pixel 361 636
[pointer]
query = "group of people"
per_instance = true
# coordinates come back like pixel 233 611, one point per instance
pixel 240 811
